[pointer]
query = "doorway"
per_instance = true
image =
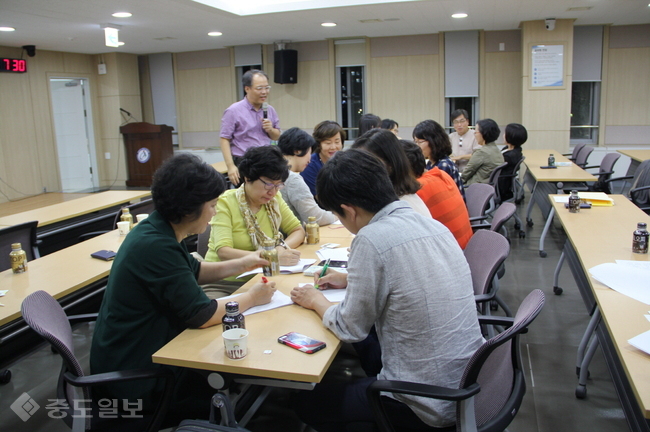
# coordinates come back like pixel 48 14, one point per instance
pixel 74 134
pixel 350 98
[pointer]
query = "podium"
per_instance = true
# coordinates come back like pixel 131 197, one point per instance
pixel 147 146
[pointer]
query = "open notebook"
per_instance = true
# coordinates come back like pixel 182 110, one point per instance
pixel 595 198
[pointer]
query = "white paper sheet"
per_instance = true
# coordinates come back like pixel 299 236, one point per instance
pixel 641 265
pixel 338 254
pixel 628 280
pixel 284 269
pixel 641 342
pixel 279 299
pixel 333 295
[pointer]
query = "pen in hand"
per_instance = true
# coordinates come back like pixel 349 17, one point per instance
pixel 322 272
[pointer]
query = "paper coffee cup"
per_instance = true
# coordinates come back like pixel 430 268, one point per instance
pixel 236 343
pixel 142 216
pixel 124 227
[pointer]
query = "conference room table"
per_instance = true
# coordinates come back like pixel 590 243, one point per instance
pixel 36 201
pixel 603 235
pixel 221 167
pixel 268 362
pixel 543 182
pixel 636 156
pixel 60 225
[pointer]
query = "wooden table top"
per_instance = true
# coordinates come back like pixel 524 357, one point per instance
pixel 37 201
pixel 71 209
pixel 221 167
pixel 601 235
pixel 637 155
pixel 204 349
pixel 59 273
pixel 535 158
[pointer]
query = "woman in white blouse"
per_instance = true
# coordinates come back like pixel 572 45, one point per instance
pixel 296 145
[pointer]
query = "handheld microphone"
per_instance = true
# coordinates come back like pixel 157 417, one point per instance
pixel 265 110
pixel 125 112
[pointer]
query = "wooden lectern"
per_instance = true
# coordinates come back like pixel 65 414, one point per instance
pixel 147 146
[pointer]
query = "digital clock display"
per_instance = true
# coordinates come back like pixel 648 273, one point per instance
pixel 13 65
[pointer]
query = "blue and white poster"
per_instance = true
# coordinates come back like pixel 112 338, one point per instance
pixel 547 66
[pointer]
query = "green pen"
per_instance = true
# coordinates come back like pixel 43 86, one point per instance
pixel 322 272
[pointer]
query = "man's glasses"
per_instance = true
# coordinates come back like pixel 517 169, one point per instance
pixel 260 88
pixel 459 121
pixel 270 186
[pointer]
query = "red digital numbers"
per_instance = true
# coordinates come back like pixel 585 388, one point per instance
pixel 13 65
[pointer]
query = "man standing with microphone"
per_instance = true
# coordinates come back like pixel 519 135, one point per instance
pixel 251 122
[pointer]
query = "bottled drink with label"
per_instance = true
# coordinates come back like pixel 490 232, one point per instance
pixel 313 235
pixel 18 258
pixel 233 318
pixel 574 202
pixel 270 254
pixel 551 160
pixel 127 217
pixel 640 241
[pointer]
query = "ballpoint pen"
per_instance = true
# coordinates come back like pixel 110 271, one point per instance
pixel 322 272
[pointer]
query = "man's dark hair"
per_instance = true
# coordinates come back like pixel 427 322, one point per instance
pixel 295 142
pixel 457 113
pixel 182 185
pixel 516 134
pixel 435 135
pixel 385 145
pixel 489 129
pixel 354 177
pixel 389 124
pixel 415 157
pixel 265 161
pixel 325 130
pixel 247 78
pixel 367 122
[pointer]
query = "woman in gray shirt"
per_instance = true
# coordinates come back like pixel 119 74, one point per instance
pixel 296 146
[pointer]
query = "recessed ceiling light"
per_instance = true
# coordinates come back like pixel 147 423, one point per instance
pixel 7 29
pixel 122 14
pixel 120 43
pixel 459 15
pixel 215 34
pixel 328 24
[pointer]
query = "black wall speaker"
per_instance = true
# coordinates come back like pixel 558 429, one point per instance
pixel 286 66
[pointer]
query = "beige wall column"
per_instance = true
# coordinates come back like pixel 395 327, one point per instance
pixel 546 111
pixel 118 88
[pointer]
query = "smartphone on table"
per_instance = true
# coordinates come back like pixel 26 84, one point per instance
pixel 301 342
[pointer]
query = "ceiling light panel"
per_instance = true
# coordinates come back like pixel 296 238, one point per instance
pixel 258 7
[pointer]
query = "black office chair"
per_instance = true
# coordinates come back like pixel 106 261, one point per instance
pixel 492 386
pixel 574 154
pixel 605 171
pixel 145 206
pixel 477 198
pixel 640 190
pixel 583 155
pixel 25 234
pixel 47 318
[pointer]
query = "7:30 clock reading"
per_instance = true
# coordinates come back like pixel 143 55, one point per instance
pixel 13 65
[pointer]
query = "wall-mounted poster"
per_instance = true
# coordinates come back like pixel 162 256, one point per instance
pixel 547 66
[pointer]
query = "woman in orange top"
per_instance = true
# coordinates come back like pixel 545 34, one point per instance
pixel 440 194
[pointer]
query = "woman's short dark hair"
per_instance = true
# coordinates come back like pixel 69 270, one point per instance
pixel 415 157
pixel 266 161
pixel 354 177
pixel 389 124
pixel 325 130
pixel 182 185
pixel 367 122
pixel 295 142
pixel 489 129
pixel 516 134
pixel 385 145
pixel 435 135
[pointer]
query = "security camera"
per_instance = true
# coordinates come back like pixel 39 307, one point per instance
pixel 550 24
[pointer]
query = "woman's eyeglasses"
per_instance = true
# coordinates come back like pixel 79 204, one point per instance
pixel 270 186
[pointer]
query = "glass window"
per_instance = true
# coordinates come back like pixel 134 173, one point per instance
pixel 585 102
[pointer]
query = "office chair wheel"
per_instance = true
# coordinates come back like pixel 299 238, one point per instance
pixel 542 254
pixel 517 225
pixel 522 234
pixel 529 222
pixel 494 305
pixel 557 291
pixel 5 376
pixel 581 391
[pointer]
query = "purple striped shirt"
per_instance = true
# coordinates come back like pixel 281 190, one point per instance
pixel 242 125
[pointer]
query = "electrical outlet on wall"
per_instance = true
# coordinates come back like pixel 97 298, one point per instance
pixel 107 155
